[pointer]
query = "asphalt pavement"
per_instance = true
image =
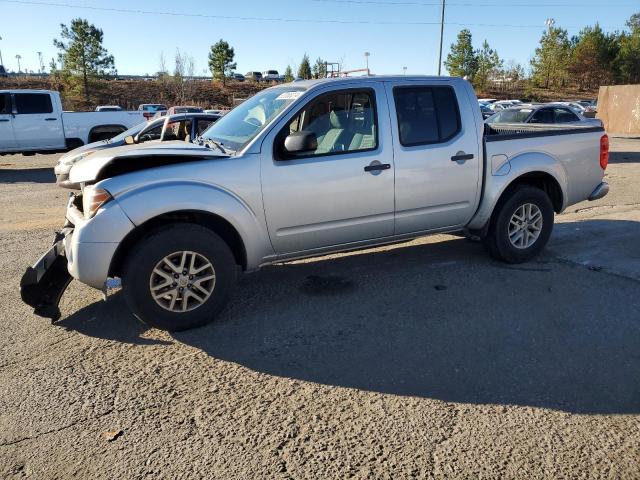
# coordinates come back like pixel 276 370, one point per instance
pixel 426 359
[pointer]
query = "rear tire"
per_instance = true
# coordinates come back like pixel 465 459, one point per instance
pixel 179 277
pixel 520 225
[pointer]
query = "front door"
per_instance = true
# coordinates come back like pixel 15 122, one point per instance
pixel 35 124
pixel 342 191
pixel 437 156
pixel 7 140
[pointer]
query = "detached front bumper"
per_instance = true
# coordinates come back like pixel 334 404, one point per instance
pixel 43 284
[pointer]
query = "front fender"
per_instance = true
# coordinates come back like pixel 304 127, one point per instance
pixel 152 200
pixel 516 167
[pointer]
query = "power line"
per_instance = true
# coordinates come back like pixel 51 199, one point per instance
pixel 270 19
pixel 454 4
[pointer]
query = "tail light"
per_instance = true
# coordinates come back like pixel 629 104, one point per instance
pixel 604 151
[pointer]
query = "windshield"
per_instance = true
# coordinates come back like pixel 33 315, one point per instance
pixel 514 115
pixel 242 124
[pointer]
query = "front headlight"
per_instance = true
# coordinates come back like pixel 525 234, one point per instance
pixel 77 158
pixel 93 198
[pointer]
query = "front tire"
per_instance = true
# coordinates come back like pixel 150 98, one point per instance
pixel 520 226
pixel 179 277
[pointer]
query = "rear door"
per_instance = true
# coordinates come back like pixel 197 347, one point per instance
pixel 7 139
pixel 36 123
pixel 437 155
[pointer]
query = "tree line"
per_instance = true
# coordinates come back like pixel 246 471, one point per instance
pixel 586 60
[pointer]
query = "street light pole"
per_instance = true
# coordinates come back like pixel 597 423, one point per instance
pixel 40 61
pixel 441 37
pixel 18 57
pixel 1 62
pixel 366 56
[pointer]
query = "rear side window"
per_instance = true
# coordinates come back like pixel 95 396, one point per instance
pixel 31 103
pixel 426 114
pixel 563 115
pixel 544 115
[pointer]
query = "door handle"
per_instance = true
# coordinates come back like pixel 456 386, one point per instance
pixel 376 167
pixel 4 119
pixel 462 157
pixel 50 119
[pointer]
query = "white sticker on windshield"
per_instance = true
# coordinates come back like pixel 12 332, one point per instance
pixel 289 95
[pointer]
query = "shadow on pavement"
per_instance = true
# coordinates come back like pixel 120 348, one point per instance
pixel 624 157
pixel 27 175
pixel 438 321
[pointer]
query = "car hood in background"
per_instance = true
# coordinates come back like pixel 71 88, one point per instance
pixel 129 158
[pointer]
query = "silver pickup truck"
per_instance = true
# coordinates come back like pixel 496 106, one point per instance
pixel 304 169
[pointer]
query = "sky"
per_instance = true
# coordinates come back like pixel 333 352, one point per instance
pixel 273 34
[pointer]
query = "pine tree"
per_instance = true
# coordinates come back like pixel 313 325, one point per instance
pixel 628 57
pixel 288 74
pixel 551 58
pixel 489 65
pixel 461 60
pixel 221 62
pixel 304 70
pixel 82 54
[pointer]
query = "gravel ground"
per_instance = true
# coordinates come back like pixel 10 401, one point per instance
pixel 425 360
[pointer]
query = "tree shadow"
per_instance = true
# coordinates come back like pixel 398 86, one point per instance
pixel 438 321
pixel 27 175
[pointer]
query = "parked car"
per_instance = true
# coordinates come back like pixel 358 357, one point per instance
pixel 306 169
pixel 184 109
pixel 238 77
pixel 544 113
pixel 108 108
pixel 485 110
pixel 150 109
pixel 503 104
pixel 271 75
pixel 255 76
pixel 3 72
pixel 161 129
pixel 32 121
pixel 487 100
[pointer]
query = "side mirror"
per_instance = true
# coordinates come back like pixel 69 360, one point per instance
pixel 129 140
pixel 300 142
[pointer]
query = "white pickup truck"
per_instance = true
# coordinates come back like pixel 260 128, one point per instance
pixel 304 169
pixel 32 121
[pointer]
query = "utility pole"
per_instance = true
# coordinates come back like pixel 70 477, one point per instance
pixel 1 62
pixel 441 37
pixel 404 70
pixel 18 57
pixel 40 62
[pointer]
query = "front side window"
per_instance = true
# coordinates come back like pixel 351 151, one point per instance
pixel 151 133
pixel 5 104
pixel 32 103
pixel 242 124
pixel 426 114
pixel 343 121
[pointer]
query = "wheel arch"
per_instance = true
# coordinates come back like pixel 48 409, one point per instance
pixel 213 222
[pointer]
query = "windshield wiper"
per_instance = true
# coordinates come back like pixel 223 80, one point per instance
pixel 207 142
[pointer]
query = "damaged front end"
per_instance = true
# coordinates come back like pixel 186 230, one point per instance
pixel 43 284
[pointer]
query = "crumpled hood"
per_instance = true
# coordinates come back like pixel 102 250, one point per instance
pixel 128 158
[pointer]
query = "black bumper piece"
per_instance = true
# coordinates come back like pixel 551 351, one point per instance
pixel 43 284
